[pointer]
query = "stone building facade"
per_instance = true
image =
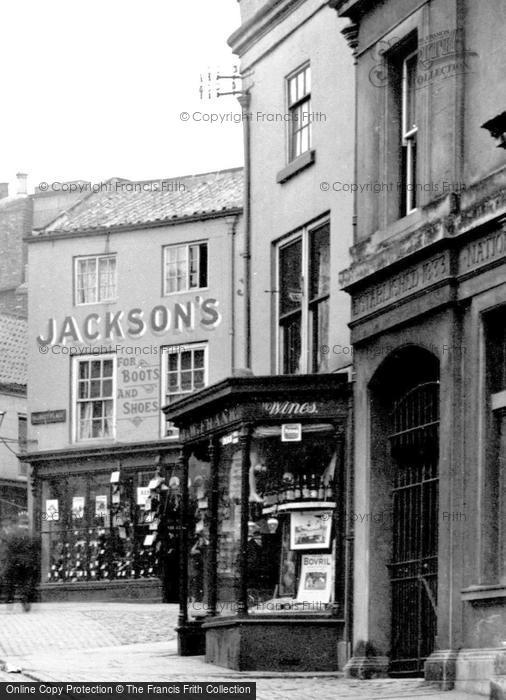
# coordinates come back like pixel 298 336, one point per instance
pixel 428 287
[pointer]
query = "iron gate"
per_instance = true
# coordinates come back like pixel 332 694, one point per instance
pixel 413 570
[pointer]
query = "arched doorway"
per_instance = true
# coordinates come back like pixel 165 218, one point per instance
pixel 405 464
pixel 414 448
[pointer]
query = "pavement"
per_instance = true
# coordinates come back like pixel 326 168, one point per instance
pixel 135 642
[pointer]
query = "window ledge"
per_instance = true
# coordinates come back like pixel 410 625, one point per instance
pixel 486 592
pixel 300 163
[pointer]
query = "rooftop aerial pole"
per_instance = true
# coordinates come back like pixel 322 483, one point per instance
pixel 210 87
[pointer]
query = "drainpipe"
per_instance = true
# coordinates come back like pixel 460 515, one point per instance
pixel 350 33
pixel 232 229
pixel 244 100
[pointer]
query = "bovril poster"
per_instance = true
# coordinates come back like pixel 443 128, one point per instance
pixel 315 584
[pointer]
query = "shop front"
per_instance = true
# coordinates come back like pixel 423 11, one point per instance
pixel 264 566
pixel 106 531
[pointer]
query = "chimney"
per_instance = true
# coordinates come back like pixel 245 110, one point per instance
pixel 21 179
pixel 4 190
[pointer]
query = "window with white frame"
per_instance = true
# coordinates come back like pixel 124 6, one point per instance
pixel 184 267
pixel 95 279
pixel 299 107
pixel 409 133
pixel 303 307
pixel 184 370
pixel 94 397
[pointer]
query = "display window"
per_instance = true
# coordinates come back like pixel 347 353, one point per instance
pixel 291 504
pixel 95 530
pixel 292 500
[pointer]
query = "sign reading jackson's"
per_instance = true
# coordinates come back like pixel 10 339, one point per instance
pixel 402 285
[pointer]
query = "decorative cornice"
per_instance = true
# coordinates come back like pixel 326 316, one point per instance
pixel 261 24
pixel 480 206
pixel 351 8
pixel 350 33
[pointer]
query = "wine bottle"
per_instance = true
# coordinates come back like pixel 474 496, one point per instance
pixel 297 490
pixel 289 489
pixel 321 489
pixel 329 492
pixel 313 488
pixel 305 487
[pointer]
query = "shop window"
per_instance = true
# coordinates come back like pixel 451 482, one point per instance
pixel 304 290
pixel 94 397
pixel 185 370
pixel 185 267
pixel 293 497
pixel 95 279
pixel 93 530
pixel 299 106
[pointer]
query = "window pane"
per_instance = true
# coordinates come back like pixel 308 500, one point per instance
pixel 194 266
pixel 173 382
pixel 107 278
pixel 95 389
pixel 198 379
pixel 186 360
pixel 292 345
pixel 320 324
pixel 308 79
pixel 186 381
pixel 83 370
pixel 410 92
pixel 176 269
pixel 319 277
pixel 107 365
pixel 300 84
pixel 292 90
pixel 203 265
pixel 198 358
pixel 304 139
pixel 96 366
pixel 290 277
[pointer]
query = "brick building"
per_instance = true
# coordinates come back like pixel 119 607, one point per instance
pixel 15 226
pixel 13 418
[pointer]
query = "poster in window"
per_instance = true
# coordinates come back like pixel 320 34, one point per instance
pixel 142 495
pixel 310 529
pixel 315 583
pixel 101 506
pixel 52 512
pixel 78 507
pixel 287 574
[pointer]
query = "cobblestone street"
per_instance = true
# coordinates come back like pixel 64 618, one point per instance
pixel 136 642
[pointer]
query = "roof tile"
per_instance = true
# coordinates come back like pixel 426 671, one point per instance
pixel 123 203
pixel 13 350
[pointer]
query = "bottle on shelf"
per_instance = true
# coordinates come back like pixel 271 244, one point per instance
pixel 321 489
pixel 297 492
pixel 313 487
pixel 329 492
pixel 305 488
pixel 289 486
